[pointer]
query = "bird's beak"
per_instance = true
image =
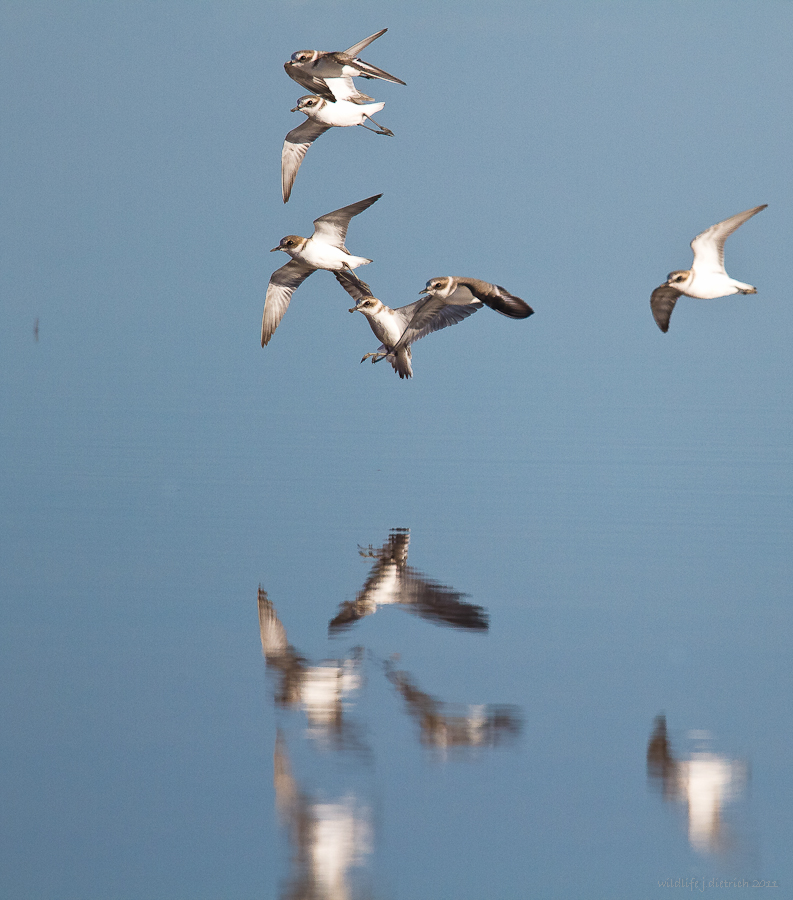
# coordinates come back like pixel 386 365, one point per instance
pixel 274 249
pixel 294 109
pixel 356 307
pixel 424 291
pixel 353 309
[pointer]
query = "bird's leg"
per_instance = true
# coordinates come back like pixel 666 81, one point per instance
pixel 381 355
pixel 377 356
pixel 383 129
pixel 352 272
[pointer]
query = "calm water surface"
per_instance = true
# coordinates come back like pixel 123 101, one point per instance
pixel 277 625
pixel 466 656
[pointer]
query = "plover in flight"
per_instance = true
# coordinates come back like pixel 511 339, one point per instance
pixel 392 326
pixel 329 73
pixel 322 115
pixel 706 279
pixel 323 250
pixel 455 290
pixel 452 290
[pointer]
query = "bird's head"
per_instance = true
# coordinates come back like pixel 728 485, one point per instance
pixel 675 279
pixel 367 306
pixel 438 287
pixel 303 56
pixel 308 104
pixel 290 244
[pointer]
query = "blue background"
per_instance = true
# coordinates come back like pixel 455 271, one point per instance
pixel 619 500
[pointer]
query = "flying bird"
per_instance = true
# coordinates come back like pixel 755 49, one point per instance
pixel 706 279
pixel 322 115
pixel 391 326
pixel 323 250
pixel 454 290
pixel 329 74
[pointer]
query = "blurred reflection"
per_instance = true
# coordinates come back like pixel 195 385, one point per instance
pixel 328 839
pixel 393 582
pixel 328 826
pixel 445 725
pixel 704 782
pixel 321 690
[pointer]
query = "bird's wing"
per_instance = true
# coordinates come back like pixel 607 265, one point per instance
pixel 296 145
pixel 365 69
pixel 430 314
pixel 369 71
pixel 283 283
pixel 273 633
pixel 497 298
pixel 661 763
pixel 439 603
pixel 416 316
pixel 357 289
pixel 332 227
pixel 662 302
pixel 313 84
pixel 343 88
pixel 362 45
pixel 708 247
pixel 349 613
pixel 377 589
pixel 447 315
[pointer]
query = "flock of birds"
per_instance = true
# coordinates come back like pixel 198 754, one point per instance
pixel 336 102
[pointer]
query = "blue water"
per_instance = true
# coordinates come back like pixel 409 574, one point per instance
pixel 599 515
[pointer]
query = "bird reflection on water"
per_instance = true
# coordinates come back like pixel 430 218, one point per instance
pixel 328 839
pixel 704 781
pixel 447 725
pixel 392 582
pixel 321 690
pixel 331 837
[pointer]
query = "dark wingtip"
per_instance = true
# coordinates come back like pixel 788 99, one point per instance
pixel 515 308
pixel 509 305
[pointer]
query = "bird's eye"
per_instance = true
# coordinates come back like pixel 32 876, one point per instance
pixel 289 243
